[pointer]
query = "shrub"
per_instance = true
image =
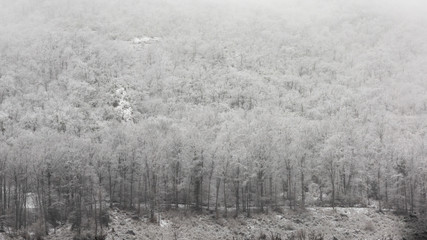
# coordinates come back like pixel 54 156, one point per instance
pixel 369 226
pixel 298 235
pixel 89 236
pixel 272 236
pixel 105 217
pixel 38 229
pixel 315 236
pixel 54 216
pixel 278 210
pixel 289 227
pixel 25 235
pixel 275 236
pixel 262 236
pixel 101 237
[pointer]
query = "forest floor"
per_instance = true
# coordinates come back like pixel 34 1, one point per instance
pixel 341 223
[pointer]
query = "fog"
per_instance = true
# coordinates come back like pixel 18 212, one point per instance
pixel 213 119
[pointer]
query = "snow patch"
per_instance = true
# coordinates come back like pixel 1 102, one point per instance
pixel 145 40
pixel 31 201
pixel 123 106
pixel 164 223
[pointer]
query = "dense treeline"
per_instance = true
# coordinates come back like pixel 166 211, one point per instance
pixel 225 108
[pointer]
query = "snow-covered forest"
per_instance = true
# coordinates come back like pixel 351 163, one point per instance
pixel 231 109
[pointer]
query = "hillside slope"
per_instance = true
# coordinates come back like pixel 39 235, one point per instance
pixel 342 223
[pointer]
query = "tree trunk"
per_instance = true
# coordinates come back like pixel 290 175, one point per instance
pixel 100 207
pixel 95 217
pixel 24 195
pixel 333 192
pixel 153 197
pixel 225 196
pixel 302 190
pixel 248 198
pixel 110 185
pixel 379 190
pixel 321 194
pixel 100 201
pixel 49 198
pixel 275 196
pixel 40 203
pixel 177 184
pixel 405 199
pixel 123 204
pixel 145 189
pixel 139 194
pixel 209 182
pixel 4 194
pixel 79 213
pixel 331 169
pixel 197 192
pixel 261 183
pixel 289 183
pixel 237 188
pixel 271 191
pixel 1 200
pixel 17 204
pixel 386 193
pixel 131 186
pixel 302 168
pixel 218 183
pixel 411 192
pixel 243 194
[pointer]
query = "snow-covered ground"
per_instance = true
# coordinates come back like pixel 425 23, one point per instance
pixel 145 40
pixel 341 223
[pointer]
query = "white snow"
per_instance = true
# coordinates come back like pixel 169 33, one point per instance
pixel 31 201
pixel 145 40
pixel 164 223
pixel 124 107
